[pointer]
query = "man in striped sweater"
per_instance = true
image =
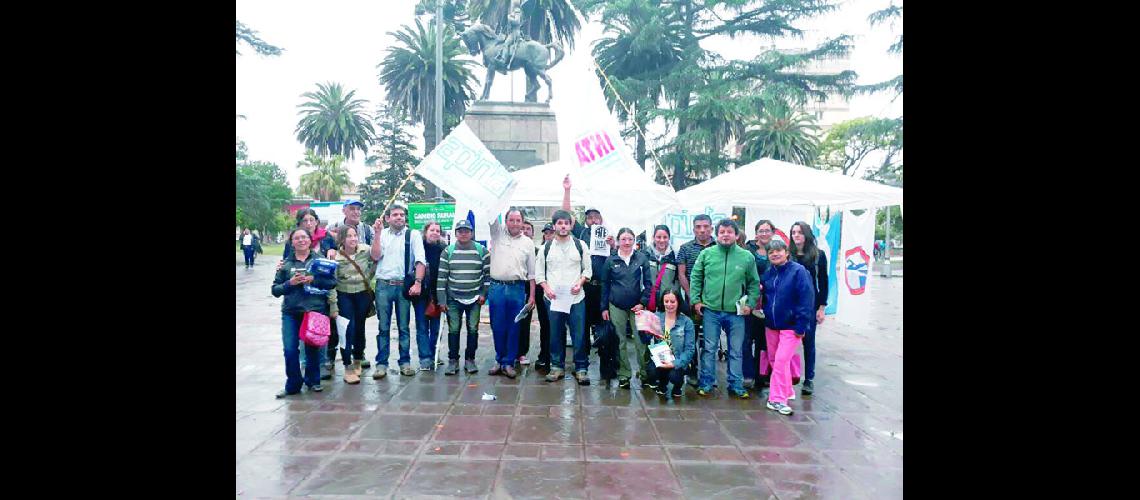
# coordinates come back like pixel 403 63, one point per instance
pixel 464 276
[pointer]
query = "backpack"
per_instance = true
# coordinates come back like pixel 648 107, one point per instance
pixel 577 245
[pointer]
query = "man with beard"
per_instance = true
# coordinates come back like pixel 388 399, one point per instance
pixel 720 276
pixel 562 263
pixel 594 286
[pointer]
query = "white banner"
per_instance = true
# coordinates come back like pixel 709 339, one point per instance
pixel 462 166
pixel 680 223
pixel 853 269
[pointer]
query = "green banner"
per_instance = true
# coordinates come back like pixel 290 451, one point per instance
pixel 422 213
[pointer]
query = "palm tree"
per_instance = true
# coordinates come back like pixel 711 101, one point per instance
pixel 782 133
pixel 328 180
pixel 408 74
pixel 333 122
pixel 542 20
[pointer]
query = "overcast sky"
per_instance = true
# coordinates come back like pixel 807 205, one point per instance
pixel 343 41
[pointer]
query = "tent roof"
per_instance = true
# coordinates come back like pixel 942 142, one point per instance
pixel 768 182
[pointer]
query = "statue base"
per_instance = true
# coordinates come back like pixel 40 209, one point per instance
pixel 519 134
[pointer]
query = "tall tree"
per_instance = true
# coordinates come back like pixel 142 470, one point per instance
pixel 249 37
pixel 333 122
pixel 408 74
pixel 848 144
pixel 262 193
pixel 784 133
pixel 641 44
pixel 328 179
pixel 704 75
pixel 395 158
pixel 888 15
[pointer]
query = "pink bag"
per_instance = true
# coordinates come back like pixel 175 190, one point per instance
pixel 314 329
pixel 797 366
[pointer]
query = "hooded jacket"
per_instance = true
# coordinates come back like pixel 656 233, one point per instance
pixel 789 297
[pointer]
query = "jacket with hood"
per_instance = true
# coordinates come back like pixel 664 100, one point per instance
pixel 789 297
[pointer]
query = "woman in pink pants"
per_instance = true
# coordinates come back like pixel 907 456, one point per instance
pixel 789 305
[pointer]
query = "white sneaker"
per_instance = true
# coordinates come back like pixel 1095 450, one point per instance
pixel 780 408
pixel 523 360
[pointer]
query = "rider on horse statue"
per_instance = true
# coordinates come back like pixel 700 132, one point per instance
pixel 514 33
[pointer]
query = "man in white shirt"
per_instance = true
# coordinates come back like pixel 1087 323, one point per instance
pixel 512 274
pixel 390 271
pixel 565 264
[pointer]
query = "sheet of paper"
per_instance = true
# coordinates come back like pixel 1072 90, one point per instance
pixel 522 313
pixel 741 303
pixel 342 329
pixel 562 299
pixel 598 245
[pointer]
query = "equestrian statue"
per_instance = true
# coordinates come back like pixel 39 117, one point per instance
pixel 508 52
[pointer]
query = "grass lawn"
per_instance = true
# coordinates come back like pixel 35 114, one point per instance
pixel 269 249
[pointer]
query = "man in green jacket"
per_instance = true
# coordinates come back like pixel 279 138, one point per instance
pixel 722 274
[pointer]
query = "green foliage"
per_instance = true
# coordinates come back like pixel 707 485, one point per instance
pixel 244 34
pixel 653 47
pixel 408 74
pixel 242 151
pixel 782 133
pixel 262 194
pixel 328 179
pixel 896 224
pixel 333 122
pixel 849 143
pixel 887 15
pixel 544 21
pixel 395 158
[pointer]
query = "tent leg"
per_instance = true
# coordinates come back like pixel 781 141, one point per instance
pixel 887 247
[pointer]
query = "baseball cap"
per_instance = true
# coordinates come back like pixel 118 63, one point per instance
pixel 591 209
pixel 463 224
pixel 547 227
pixel 353 202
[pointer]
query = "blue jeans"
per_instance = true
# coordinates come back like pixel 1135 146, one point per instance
pixel 248 251
pixel 577 320
pixel 809 350
pixel 353 306
pixel 455 313
pixel 427 333
pixel 290 330
pixel 387 297
pixel 505 301
pixel 733 324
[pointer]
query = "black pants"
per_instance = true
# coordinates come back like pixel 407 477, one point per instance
pixel 544 329
pixel 660 375
pixel 754 342
pixel 593 304
pixel 524 326
pixel 354 307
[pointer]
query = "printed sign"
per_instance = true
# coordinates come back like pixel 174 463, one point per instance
pixel 420 214
pixel 681 224
pixel 857 265
pixel 598 245
pixel 595 149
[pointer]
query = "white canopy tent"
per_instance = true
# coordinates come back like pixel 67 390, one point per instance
pixel 626 198
pixel 768 182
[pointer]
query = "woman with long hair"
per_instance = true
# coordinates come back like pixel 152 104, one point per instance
pixel 354 272
pixel 662 268
pixel 806 253
pixel 625 290
pixel 290 283
pixel 680 335
pixel 427 329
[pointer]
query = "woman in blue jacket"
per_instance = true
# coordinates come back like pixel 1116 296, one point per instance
pixel 789 307
pixel 682 339
pixel 290 282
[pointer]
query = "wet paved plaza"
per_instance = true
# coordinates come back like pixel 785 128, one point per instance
pixel 432 435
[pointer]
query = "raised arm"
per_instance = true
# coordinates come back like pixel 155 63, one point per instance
pixel 566 193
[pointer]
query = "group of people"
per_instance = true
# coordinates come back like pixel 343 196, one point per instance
pixel 250 245
pixel 766 295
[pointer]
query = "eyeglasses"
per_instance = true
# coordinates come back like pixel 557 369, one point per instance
pixel 764 231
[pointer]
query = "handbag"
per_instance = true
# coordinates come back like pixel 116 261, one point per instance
pixel 314 330
pixel 367 287
pixel 432 310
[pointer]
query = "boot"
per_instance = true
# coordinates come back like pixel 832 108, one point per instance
pixel 350 375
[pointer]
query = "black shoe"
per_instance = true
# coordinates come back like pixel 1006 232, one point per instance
pixel 623 383
pixel 365 364
pixel 678 391
pixel 807 388
pixel 659 390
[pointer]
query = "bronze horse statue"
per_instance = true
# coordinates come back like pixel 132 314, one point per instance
pixel 531 56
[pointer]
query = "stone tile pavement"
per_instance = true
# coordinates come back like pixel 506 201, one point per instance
pixel 432 435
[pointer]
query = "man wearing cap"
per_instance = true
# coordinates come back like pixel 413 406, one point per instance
pixel 594 286
pixel 390 272
pixel 512 281
pixel 351 209
pixel 461 288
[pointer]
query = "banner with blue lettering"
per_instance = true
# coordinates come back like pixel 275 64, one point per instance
pixel 827 237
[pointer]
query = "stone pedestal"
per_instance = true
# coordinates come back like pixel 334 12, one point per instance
pixel 519 134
